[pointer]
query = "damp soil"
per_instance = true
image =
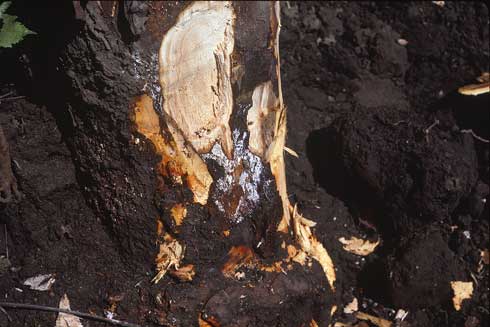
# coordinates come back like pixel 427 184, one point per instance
pixel 384 153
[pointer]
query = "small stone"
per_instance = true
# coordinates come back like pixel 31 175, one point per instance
pixel 402 42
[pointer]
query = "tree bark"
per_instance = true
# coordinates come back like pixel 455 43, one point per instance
pixel 178 131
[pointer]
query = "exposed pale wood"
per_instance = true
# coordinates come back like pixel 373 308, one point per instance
pixel 195 75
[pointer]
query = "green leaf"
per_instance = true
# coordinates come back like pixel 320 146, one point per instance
pixel 12 31
pixel 4 6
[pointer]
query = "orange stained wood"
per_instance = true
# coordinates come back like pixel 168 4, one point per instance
pixel 209 322
pixel 184 274
pixel 160 230
pixel 176 163
pixel 178 212
pixel 238 256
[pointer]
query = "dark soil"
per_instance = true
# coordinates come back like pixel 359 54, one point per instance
pixel 372 163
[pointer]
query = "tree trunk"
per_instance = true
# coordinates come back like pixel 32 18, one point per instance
pixel 178 130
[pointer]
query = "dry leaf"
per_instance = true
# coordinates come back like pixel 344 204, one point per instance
pixel 40 283
pixel 462 291
pixel 439 3
pixel 64 319
pixel 477 89
pixel 358 246
pixel 485 256
pixel 375 320
pixel 352 306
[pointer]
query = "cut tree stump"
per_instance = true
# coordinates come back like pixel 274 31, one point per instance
pixel 178 132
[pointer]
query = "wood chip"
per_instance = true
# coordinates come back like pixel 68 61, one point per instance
pixel 462 291
pixel 358 246
pixel 352 307
pixel 64 319
pixel 401 314
pixel 178 212
pixel 313 323
pixel 333 310
pixel 375 320
pixel 291 152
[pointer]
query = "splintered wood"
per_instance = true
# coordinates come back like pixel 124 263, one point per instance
pixel 198 64
pixel 261 118
pixel 177 163
pixel 311 246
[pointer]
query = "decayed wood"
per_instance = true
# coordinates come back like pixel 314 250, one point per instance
pixel 204 95
pixel 195 69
